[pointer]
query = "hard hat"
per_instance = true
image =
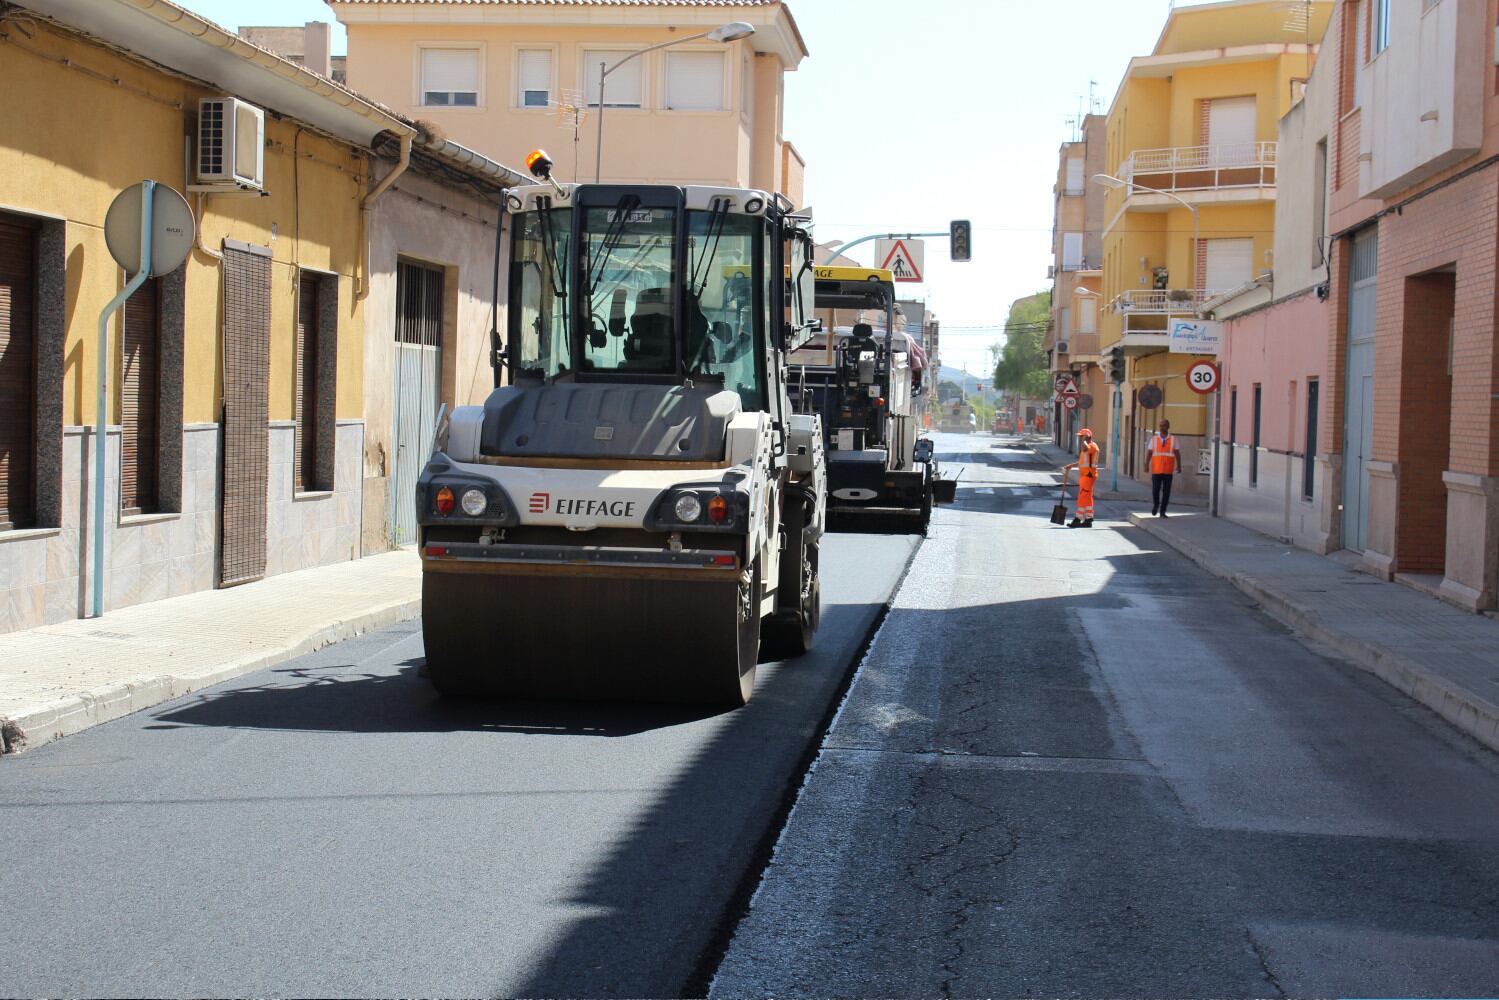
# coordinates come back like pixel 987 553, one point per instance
pixel 1084 431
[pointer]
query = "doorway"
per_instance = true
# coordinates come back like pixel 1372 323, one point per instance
pixel 418 386
pixel 1425 422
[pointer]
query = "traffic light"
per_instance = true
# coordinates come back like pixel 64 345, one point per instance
pixel 1116 364
pixel 960 239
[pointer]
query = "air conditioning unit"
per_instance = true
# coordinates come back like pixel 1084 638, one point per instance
pixel 1051 272
pixel 231 145
pixel 1062 347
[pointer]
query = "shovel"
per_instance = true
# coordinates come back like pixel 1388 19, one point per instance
pixel 1059 512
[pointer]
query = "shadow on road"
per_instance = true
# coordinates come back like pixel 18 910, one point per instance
pixel 342 698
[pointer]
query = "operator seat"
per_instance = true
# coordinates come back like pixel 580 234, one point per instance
pixel 649 344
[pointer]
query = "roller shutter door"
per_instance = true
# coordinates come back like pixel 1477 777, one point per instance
pixel 247 332
pixel 17 373
pixel 140 379
pixel 304 460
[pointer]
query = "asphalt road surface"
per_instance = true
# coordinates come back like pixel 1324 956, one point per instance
pixel 1074 765
pixel 331 827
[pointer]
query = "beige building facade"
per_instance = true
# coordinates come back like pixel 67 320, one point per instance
pixel 1077 280
pixel 504 78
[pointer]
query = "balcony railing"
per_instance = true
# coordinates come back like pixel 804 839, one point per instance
pixel 1159 302
pixel 1204 168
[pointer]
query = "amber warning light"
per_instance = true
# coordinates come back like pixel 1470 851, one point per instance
pixel 540 164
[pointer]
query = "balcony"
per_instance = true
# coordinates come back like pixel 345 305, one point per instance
pixel 1148 314
pixel 1227 167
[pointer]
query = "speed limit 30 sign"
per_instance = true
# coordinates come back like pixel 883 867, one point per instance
pixel 1203 378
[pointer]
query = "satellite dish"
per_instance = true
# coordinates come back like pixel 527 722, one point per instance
pixel 171 229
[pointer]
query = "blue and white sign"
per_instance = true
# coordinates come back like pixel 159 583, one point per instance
pixel 1196 336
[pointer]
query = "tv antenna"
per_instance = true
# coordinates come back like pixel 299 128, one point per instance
pixel 571 111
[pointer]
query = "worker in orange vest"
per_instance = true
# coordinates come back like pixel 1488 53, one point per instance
pixel 1165 463
pixel 1087 477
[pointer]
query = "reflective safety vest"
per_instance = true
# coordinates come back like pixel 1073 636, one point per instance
pixel 1087 456
pixel 1163 455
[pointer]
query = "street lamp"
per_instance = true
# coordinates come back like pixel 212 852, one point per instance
pixel 1110 181
pixel 731 32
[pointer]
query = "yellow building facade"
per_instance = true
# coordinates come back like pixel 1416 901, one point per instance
pixel 1191 170
pixel 236 403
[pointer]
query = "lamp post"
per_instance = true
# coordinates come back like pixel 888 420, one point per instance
pixel 1110 181
pixel 731 32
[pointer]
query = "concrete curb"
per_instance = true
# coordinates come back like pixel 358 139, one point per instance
pixel 1467 710
pixel 77 712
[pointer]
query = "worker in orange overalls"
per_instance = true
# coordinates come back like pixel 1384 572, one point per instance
pixel 1087 476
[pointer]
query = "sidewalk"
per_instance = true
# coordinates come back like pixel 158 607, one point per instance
pixel 60 679
pixel 1445 658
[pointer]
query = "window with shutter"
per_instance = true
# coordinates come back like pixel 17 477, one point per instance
pixel 622 88
pixel 534 78
pixel 17 373
pixel 1087 315
pixel 140 395
pixel 304 457
pixel 450 77
pixel 694 81
pixel 1074 186
pixel 1072 251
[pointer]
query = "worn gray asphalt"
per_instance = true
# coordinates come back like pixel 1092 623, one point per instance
pixel 332 828
pixel 1075 765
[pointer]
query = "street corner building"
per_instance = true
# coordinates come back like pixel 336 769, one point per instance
pixel 265 398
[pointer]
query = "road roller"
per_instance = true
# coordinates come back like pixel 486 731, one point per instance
pixel 864 381
pixel 636 505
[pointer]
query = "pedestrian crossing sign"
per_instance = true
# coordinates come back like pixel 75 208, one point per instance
pixel 905 259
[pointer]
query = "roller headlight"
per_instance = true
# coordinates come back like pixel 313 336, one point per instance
pixel 474 502
pixel 444 501
pixel 688 508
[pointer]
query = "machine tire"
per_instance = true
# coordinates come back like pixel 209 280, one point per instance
pixel 739 685
pixel 788 637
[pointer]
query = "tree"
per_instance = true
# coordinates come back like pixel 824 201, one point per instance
pixel 1022 364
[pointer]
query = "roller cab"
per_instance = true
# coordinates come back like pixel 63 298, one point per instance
pixel 639 505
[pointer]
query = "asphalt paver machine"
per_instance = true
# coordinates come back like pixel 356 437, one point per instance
pixel 628 515
pixel 865 382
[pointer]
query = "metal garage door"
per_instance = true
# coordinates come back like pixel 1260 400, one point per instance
pixel 418 386
pixel 1358 407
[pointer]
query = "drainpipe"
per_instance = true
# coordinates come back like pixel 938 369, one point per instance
pixel 364 213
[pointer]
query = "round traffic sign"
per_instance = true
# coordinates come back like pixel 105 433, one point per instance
pixel 171 229
pixel 1150 396
pixel 1203 377
pixel 1070 402
pixel 1085 401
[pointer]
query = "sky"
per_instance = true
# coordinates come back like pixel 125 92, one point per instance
pixel 911 113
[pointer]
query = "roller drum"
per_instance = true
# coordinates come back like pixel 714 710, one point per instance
pixel 590 638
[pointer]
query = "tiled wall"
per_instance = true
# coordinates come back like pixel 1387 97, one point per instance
pixel 46 574
pixel 313 529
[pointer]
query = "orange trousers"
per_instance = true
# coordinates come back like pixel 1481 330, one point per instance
pixel 1086 478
